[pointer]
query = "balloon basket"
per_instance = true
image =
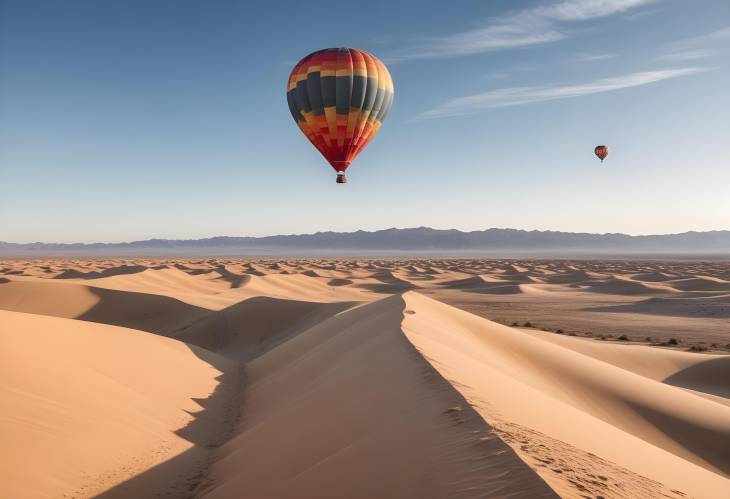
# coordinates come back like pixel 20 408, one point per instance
pixel 341 179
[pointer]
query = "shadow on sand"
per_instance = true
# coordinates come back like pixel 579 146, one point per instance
pixel 121 270
pixel 180 476
pixel 711 377
pixel 225 339
pixel 144 311
pixel 708 307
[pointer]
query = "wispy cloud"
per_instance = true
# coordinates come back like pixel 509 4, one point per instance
pixel 524 28
pixel 580 10
pixel 705 39
pixel 515 96
pixel 637 16
pixel 594 57
pixel 698 47
pixel 687 55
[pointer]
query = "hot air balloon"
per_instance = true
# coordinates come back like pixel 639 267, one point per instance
pixel 601 152
pixel 339 97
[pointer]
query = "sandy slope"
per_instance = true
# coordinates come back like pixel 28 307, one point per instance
pixel 86 406
pixel 657 430
pixel 356 383
pixel 349 409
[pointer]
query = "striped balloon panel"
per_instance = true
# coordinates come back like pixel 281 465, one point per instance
pixel 339 98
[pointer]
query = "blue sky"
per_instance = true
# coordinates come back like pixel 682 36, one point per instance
pixel 137 119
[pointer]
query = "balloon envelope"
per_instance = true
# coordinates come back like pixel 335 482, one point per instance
pixel 339 97
pixel 601 152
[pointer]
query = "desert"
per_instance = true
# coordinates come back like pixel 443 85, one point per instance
pixel 231 377
pixel 364 250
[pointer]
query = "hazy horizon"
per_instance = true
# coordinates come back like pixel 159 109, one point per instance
pixel 135 120
pixel 196 238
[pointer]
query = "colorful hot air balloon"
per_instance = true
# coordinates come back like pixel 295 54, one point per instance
pixel 339 97
pixel 601 152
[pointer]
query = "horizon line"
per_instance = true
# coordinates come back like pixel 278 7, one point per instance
pixel 132 241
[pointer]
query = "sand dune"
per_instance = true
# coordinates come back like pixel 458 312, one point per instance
pixel 632 419
pixel 701 283
pixel 484 284
pixel 146 311
pixel 361 404
pixel 626 286
pixel 251 327
pixel 356 382
pixel 702 373
pixel 87 406
pixel 654 277
pixel 717 307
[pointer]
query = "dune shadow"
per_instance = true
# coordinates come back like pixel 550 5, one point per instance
pixel 209 428
pixel 711 445
pixel 191 271
pixel 339 282
pixel 251 271
pixel 225 339
pixel 14 272
pixel 387 284
pixel 229 337
pixel 711 377
pixel 709 308
pixel 255 325
pixel 387 288
pixel 503 289
pixel 144 311
pixel 479 286
pixel 239 332
pixel 235 280
pixel 97 274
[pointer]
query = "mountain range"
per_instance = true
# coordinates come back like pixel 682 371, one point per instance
pixel 411 241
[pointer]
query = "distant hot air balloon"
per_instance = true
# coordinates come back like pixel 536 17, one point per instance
pixel 339 97
pixel 601 152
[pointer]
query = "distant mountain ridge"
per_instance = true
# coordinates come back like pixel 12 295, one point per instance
pixel 420 240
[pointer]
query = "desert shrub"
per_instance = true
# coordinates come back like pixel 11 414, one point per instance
pixel 623 337
pixel 560 331
pixel 648 339
pixel 571 333
pixel 697 348
pixel 515 324
pixel 528 324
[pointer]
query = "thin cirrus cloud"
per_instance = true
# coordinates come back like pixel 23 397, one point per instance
pixel 687 55
pixel 706 39
pixel 595 57
pixel 524 28
pixel 515 96
pixel 699 47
